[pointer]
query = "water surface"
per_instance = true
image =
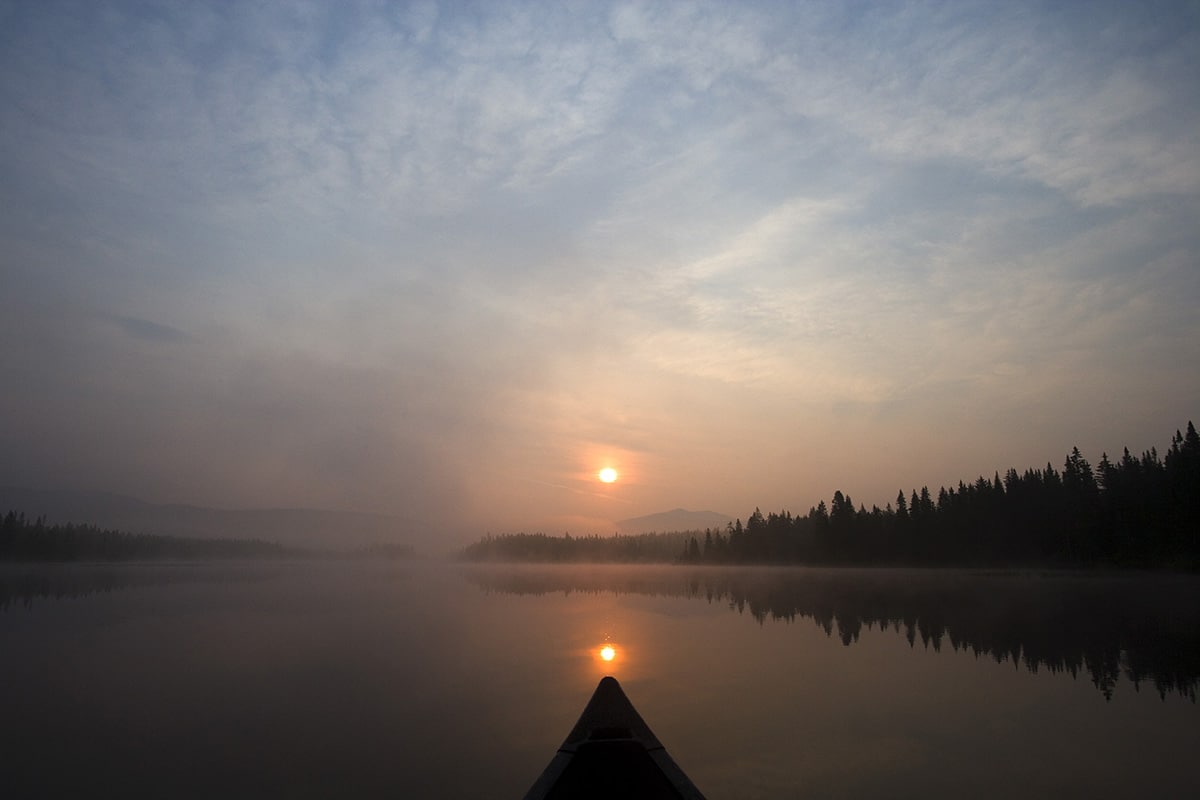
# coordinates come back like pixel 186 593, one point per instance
pixel 425 680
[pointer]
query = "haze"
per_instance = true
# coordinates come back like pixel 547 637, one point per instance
pixel 448 262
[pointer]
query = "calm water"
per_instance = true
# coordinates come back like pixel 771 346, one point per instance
pixel 419 680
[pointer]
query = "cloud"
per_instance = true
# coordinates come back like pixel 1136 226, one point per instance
pixel 382 256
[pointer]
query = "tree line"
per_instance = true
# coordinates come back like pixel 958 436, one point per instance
pixel 1131 511
pixel 540 547
pixel 22 539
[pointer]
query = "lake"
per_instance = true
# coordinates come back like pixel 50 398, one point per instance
pixel 416 679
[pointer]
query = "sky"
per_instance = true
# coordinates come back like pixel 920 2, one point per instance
pixel 447 261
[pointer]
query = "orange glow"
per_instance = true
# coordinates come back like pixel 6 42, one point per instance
pixel 607 652
pixel 607 475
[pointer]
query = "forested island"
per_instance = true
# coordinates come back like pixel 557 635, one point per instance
pixel 1126 512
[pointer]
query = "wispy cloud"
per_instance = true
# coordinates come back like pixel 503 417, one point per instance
pixel 382 255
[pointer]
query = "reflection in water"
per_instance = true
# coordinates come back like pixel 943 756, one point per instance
pixel 370 679
pixel 1144 629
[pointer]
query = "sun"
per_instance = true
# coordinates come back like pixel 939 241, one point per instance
pixel 607 652
pixel 607 475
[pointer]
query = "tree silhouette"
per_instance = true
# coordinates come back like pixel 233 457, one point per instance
pixel 1133 512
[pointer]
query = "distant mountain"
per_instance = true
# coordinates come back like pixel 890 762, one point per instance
pixel 679 519
pixel 300 527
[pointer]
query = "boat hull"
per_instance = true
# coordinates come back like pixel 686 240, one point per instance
pixel 611 752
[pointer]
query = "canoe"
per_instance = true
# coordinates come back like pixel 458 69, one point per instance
pixel 612 753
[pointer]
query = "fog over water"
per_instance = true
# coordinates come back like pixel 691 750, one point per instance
pixel 436 680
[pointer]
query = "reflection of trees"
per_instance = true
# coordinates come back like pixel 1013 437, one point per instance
pixel 24 585
pixel 1140 628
